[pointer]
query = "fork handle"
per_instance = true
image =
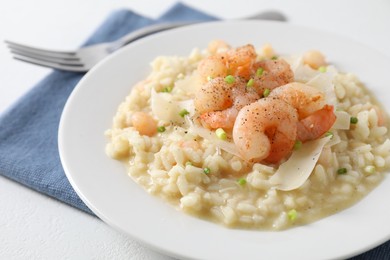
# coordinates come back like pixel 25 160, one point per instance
pixel 147 31
pixel 151 29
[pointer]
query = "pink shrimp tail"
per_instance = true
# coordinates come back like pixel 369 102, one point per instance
pixel 317 124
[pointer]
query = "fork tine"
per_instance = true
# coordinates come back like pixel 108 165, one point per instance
pixel 51 53
pixel 49 64
pixel 67 61
pixel 45 54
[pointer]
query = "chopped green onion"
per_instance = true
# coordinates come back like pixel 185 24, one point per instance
pixel 188 163
pixel 259 72
pixel 161 129
pixel 230 79
pixel 250 83
pixel 369 169
pixel 297 145
pixel 354 120
pixel 329 134
pixel 342 171
pixel 241 181
pixel 274 57
pixel 206 170
pixel 209 78
pixel 292 214
pixel 266 92
pixel 221 134
pixel 322 69
pixel 167 89
pixel 183 113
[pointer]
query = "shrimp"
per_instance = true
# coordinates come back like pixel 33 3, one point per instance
pixel 214 95
pixel 275 74
pixel 315 125
pixel 240 61
pixel 217 46
pixel 265 130
pixel 304 98
pixel 236 62
pixel 212 67
pixel 315 117
pixel 220 119
pixel 314 59
pixel 267 51
pixel 144 123
pixel 218 102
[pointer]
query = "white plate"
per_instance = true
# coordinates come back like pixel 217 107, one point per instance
pixel 104 186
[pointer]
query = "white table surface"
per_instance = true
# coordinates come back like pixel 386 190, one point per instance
pixel 33 226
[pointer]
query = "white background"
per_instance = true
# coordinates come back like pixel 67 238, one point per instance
pixel 33 226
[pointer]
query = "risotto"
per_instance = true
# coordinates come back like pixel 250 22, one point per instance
pixel 248 138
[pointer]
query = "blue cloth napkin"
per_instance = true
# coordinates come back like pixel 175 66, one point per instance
pixel 28 130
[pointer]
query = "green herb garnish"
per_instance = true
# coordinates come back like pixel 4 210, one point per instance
pixel 241 181
pixel 230 79
pixel 259 72
pixel 342 171
pixel 167 89
pixel 322 69
pixel 250 83
pixel 354 120
pixel 221 134
pixel 297 145
pixel 292 214
pixel 329 134
pixel 184 112
pixel 161 129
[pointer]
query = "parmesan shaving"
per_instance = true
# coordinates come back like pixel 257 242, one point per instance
pixel 335 139
pixel 323 81
pixel 211 136
pixel 165 108
pixel 189 84
pixel 343 120
pixel 302 72
pixel 297 169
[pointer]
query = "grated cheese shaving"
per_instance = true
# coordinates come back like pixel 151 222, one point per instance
pixel 165 108
pixel 297 169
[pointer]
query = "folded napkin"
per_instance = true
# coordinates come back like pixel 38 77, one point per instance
pixel 28 130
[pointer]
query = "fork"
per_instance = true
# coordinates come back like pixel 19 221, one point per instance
pixel 85 58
